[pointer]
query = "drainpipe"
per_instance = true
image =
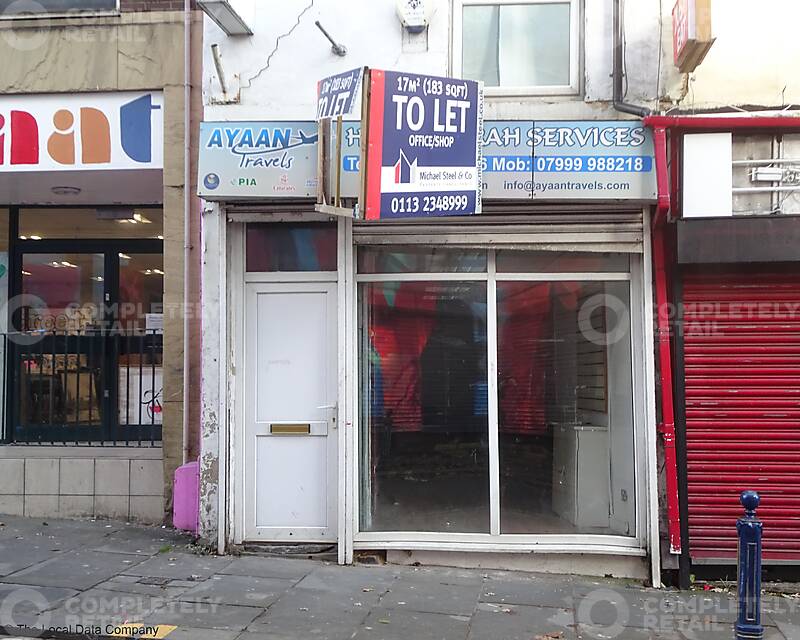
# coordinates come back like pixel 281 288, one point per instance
pixel 187 211
pixel 667 426
pixel 617 75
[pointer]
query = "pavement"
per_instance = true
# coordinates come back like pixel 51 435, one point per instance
pixel 59 578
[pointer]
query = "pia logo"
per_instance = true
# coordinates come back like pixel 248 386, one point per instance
pixel 55 132
pixel 27 37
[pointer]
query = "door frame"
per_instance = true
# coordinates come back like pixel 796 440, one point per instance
pixel 232 498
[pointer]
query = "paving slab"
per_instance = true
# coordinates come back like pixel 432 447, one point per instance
pixel 203 615
pixel 312 613
pixel 98 608
pixel 74 569
pixel 532 590
pixel 16 555
pixel 26 605
pixel 288 568
pixel 162 591
pixel 432 597
pixel 141 541
pixel 350 579
pixel 520 622
pixel 242 590
pixel 439 575
pixel 388 624
pixel 180 566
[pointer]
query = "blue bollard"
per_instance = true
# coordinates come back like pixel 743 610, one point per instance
pixel 748 624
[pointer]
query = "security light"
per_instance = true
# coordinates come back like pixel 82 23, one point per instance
pixel 221 12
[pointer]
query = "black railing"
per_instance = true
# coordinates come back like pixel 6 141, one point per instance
pixel 92 387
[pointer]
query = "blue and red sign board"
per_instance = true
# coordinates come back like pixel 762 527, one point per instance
pixel 336 95
pixel 424 146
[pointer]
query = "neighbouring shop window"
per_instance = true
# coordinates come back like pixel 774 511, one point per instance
pixel 424 431
pixel 766 178
pixel 102 223
pixel 530 44
pixel 306 246
pixel 10 8
pixel 565 452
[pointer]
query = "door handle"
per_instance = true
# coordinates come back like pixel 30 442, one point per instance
pixel 334 407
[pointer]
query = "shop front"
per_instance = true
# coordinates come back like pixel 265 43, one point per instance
pixel 433 388
pixel 736 284
pixel 93 170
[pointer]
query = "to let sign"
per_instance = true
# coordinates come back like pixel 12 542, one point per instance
pixel 336 95
pixel 423 147
pixel 691 33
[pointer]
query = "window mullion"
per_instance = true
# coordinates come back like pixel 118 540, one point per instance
pixel 491 368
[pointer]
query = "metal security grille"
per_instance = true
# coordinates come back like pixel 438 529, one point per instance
pixel 742 382
pixel 92 387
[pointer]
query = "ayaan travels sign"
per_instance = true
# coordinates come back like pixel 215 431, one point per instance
pixel 541 160
pixel 81 132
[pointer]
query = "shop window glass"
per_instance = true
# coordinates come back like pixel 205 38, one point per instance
pixel 27 10
pixel 420 260
pixel 424 418
pixel 561 262
pixel 99 224
pixel 565 406
pixel 60 371
pixel 524 44
pixel 66 291
pixel 291 247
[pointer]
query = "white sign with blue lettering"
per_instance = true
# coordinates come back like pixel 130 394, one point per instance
pixel 559 160
pixel 554 160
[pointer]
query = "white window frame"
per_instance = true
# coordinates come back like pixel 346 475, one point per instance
pixel 573 88
pixel 71 13
pixel 495 541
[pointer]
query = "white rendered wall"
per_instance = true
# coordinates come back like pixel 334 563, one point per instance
pixel 752 61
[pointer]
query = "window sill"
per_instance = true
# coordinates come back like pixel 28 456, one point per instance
pixel 531 92
pixel 145 452
pixel 61 16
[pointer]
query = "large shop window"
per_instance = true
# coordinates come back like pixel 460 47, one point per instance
pixel 85 348
pixel 561 419
pixel 527 46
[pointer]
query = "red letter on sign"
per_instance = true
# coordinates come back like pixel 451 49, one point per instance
pixel 24 138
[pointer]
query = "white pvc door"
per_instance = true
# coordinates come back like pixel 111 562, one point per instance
pixel 290 412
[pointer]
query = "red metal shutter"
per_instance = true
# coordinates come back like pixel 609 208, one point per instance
pixel 742 357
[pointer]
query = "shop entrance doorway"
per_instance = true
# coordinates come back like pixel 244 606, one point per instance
pixel 290 433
